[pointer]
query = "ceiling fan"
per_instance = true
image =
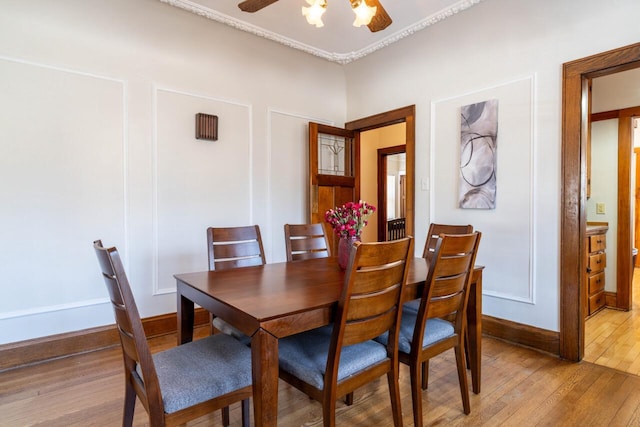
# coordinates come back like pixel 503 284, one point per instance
pixel 380 21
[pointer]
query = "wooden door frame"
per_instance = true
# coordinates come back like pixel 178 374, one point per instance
pixel 382 186
pixel 400 115
pixel 575 94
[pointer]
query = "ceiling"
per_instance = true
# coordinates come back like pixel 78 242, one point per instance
pixel 338 41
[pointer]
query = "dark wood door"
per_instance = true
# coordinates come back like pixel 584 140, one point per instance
pixel 332 170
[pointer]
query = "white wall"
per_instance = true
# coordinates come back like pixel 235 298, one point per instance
pixel 94 127
pixel 97 110
pixel 512 50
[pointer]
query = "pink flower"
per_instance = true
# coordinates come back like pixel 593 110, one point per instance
pixel 349 219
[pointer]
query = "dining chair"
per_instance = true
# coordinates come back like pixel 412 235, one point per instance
pixel 233 247
pixel 434 232
pixel 306 241
pixel 179 384
pixel 333 360
pixel 432 237
pixel 426 333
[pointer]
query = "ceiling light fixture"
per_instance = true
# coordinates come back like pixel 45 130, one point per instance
pixel 364 12
pixel 314 12
pixel 317 8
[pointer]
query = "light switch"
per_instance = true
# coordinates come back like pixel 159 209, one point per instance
pixel 425 184
pixel 600 208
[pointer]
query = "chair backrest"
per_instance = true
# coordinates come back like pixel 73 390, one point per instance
pixel 306 241
pixel 436 230
pixel 371 299
pixel 447 285
pixel 232 247
pixel 136 353
pixel 396 228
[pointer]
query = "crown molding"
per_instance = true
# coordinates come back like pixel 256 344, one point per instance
pixel 340 58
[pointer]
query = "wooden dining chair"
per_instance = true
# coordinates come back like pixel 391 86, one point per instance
pixel 306 241
pixel 432 237
pixel 179 384
pixel 331 361
pixel 426 333
pixel 233 247
pixel 435 230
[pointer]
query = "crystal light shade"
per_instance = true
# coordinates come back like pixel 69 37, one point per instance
pixel 314 12
pixel 364 13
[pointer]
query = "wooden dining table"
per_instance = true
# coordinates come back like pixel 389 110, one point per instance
pixel 273 301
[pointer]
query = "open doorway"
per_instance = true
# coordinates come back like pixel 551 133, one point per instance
pixel 576 75
pixel 402 121
pixel 383 173
pixel 392 193
pixel 610 334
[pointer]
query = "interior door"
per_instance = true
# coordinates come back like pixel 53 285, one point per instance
pixel 332 171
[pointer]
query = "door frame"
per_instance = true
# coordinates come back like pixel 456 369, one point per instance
pixel 575 94
pixel 400 115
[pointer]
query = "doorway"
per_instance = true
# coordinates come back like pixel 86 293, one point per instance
pixel 392 192
pixel 576 75
pixel 405 116
pixel 341 180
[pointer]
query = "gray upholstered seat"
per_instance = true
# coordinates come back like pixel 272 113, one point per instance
pixel 411 306
pixel 201 370
pixel 305 356
pixel 436 330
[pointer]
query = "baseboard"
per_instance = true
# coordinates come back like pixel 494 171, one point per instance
pixel 611 299
pixel 37 350
pixel 52 347
pixel 517 333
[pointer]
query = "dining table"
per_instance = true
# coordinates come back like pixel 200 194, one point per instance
pixel 277 300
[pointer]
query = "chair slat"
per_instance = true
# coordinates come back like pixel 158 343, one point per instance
pixel 368 328
pixel 364 306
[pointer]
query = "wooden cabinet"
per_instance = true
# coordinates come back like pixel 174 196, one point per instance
pixel 596 264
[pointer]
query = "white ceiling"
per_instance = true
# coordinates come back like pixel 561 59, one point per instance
pixel 338 41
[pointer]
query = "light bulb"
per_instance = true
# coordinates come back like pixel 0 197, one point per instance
pixel 314 12
pixel 364 13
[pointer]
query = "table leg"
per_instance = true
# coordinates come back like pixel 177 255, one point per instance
pixel 185 312
pixel 264 359
pixel 474 329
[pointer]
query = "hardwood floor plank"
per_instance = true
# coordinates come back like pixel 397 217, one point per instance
pixel 612 337
pixel 520 387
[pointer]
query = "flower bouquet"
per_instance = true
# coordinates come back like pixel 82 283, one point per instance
pixel 347 222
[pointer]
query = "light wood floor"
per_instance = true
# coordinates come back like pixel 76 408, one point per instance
pixel 612 337
pixel 520 387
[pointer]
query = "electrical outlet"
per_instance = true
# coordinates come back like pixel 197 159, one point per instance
pixel 600 208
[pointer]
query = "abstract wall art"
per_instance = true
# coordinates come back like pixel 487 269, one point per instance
pixel 478 155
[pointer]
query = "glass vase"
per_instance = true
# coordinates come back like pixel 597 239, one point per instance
pixel 344 249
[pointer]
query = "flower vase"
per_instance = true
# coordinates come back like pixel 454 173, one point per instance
pixel 344 249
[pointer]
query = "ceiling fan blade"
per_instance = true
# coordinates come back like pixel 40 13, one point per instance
pixel 254 5
pixel 381 19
